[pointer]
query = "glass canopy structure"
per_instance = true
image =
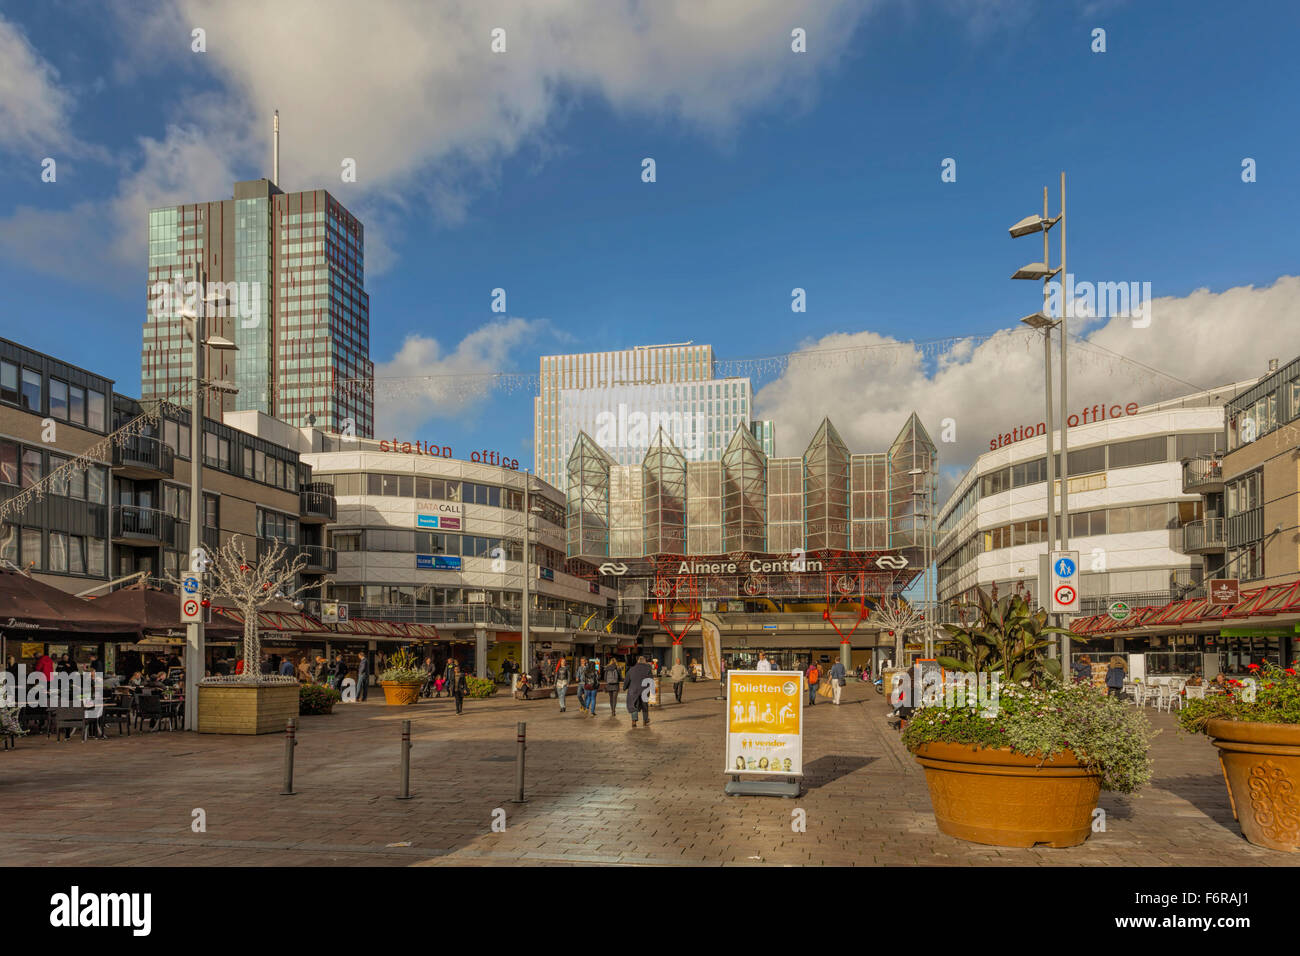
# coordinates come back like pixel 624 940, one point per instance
pixel 827 500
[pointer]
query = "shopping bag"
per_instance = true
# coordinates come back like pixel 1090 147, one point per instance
pixel 824 689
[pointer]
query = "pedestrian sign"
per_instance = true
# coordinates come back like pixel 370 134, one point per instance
pixel 191 584
pixel 1063 585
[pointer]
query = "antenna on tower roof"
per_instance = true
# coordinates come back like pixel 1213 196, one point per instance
pixel 275 149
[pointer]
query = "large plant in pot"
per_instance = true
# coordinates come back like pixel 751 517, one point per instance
pixel 1012 755
pixel 402 679
pixel 1255 723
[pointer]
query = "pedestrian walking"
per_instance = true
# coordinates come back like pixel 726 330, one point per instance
pixel 722 678
pixel 561 681
pixel 763 663
pixel 458 686
pixel 1083 670
pixel 635 684
pixel 286 668
pixel 1116 671
pixel 837 680
pixel 363 677
pixel 612 681
pixel 590 684
pixel 814 675
pixel 578 673
pixel 678 675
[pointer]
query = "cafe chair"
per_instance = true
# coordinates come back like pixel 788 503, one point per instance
pixel 150 707
pixel 69 719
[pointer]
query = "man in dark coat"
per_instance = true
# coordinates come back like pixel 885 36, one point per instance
pixel 363 676
pixel 635 686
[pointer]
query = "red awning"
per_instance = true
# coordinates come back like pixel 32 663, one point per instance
pixel 29 607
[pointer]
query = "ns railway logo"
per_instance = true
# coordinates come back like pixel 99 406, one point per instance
pixel 889 562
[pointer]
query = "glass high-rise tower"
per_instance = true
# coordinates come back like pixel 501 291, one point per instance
pixel 289 269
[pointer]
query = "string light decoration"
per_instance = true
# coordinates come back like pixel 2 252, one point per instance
pixel 96 454
pixel 896 615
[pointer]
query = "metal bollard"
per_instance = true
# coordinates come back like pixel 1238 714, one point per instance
pixel 520 747
pixel 290 741
pixel 406 761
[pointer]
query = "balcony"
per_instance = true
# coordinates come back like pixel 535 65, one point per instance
pixel 142 526
pixel 1202 476
pixel 1203 537
pixel 142 458
pixel 316 503
pixel 210 540
pixel 320 560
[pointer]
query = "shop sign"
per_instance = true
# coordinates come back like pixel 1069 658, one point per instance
pixel 546 574
pixel 437 562
pixel 1119 611
pixel 764 722
pixel 1224 591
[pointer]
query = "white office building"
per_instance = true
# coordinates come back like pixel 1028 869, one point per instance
pixel 1126 499
pixel 621 399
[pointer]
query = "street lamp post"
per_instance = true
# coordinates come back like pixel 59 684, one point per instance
pixel 1043 321
pixel 194 649
pixel 526 661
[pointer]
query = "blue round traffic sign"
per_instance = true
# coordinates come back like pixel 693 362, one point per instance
pixel 1064 568
pixel 191 585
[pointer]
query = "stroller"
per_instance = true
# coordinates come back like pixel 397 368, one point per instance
pixel 426 689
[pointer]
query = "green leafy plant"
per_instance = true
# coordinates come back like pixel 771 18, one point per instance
pixel 1270 695
pixel 1105 736
pixel 317 699
pixel 402 668
pixel 1009 637
pixel 479 686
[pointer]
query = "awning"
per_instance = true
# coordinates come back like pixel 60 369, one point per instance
pixel 296 622
pixel 156 612
pixel 1268 601
pixel 28 607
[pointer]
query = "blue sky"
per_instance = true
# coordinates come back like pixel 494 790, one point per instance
pixel 824 174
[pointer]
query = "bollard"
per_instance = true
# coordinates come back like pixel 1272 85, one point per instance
pixel 520 746
pixel 406 761
pixel 290 741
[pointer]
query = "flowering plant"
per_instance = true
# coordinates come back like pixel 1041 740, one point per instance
pixel 317 699
pixel 1269 695
pixel 402 668
pixel 1104 735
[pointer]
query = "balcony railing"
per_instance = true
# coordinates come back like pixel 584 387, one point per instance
pixel 1200 536
pixel 317 501
pixel 320 559
pixel 1203 475
pixel 142 455
pixel 142 524
pixel 1244 528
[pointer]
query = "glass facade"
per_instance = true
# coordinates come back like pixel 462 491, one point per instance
pixel 749 502
pixel 826 491
pixel 665 498
pixel 253 265
pixel 744 495
pixel 587 525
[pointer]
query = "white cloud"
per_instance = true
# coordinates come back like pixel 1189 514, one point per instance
pixel 423 382
pixel 34 108
pixel 1205 339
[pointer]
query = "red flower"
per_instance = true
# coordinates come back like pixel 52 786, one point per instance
pixel 1252 667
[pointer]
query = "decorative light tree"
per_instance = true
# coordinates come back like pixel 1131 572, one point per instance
pixel 896 615
pixel 250 586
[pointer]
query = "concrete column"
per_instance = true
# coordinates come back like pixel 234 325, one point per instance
pixel 846 655
pixel 480 653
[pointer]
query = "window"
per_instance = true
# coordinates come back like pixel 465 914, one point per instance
pixel 1141 451
pixel 8 463
pixel 1029 473
pixel 58 482
pixel 9 536
pixel 31 397
pixel 8 382
pixel 1086 523
pixel 211 511
pixel 248 463
pixel 347 540
pixel 31 548
pixel 58 551
pixel 96 486
pixel 259 466
pixel 96 563
pixel 995 483
pixel 1243 494
pixel 77 484
pixel 31 467
pixel 76 405
pixel 58 400
pixel 95 408
pixel 76 554
pixel 1198 446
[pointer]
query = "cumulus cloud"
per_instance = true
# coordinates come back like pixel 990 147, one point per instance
pixel 423 381
pixel 868 383
pixel 34 107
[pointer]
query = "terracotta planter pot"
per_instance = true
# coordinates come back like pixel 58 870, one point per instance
pixel 401 692
pixel 1261 766
pixel 997 797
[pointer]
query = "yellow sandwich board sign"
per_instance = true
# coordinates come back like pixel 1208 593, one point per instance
pixel 764 723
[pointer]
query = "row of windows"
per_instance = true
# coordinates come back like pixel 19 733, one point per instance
pixel 68 553
pixel 1243 494
pixel 1155 517
pixel 426 542
pixel 219 452
pixel 24 467
pixel 74 404
pixel 281 527
pixel 439 489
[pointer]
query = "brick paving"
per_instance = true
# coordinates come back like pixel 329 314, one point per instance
pixel 598 793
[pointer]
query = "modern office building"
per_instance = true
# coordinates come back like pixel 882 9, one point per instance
pixel 1130 513
pixel 289 271
pixel 621 399
pixel 764 547
pixel 436 540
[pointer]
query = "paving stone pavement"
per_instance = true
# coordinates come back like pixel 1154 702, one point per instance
pixel 598 792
